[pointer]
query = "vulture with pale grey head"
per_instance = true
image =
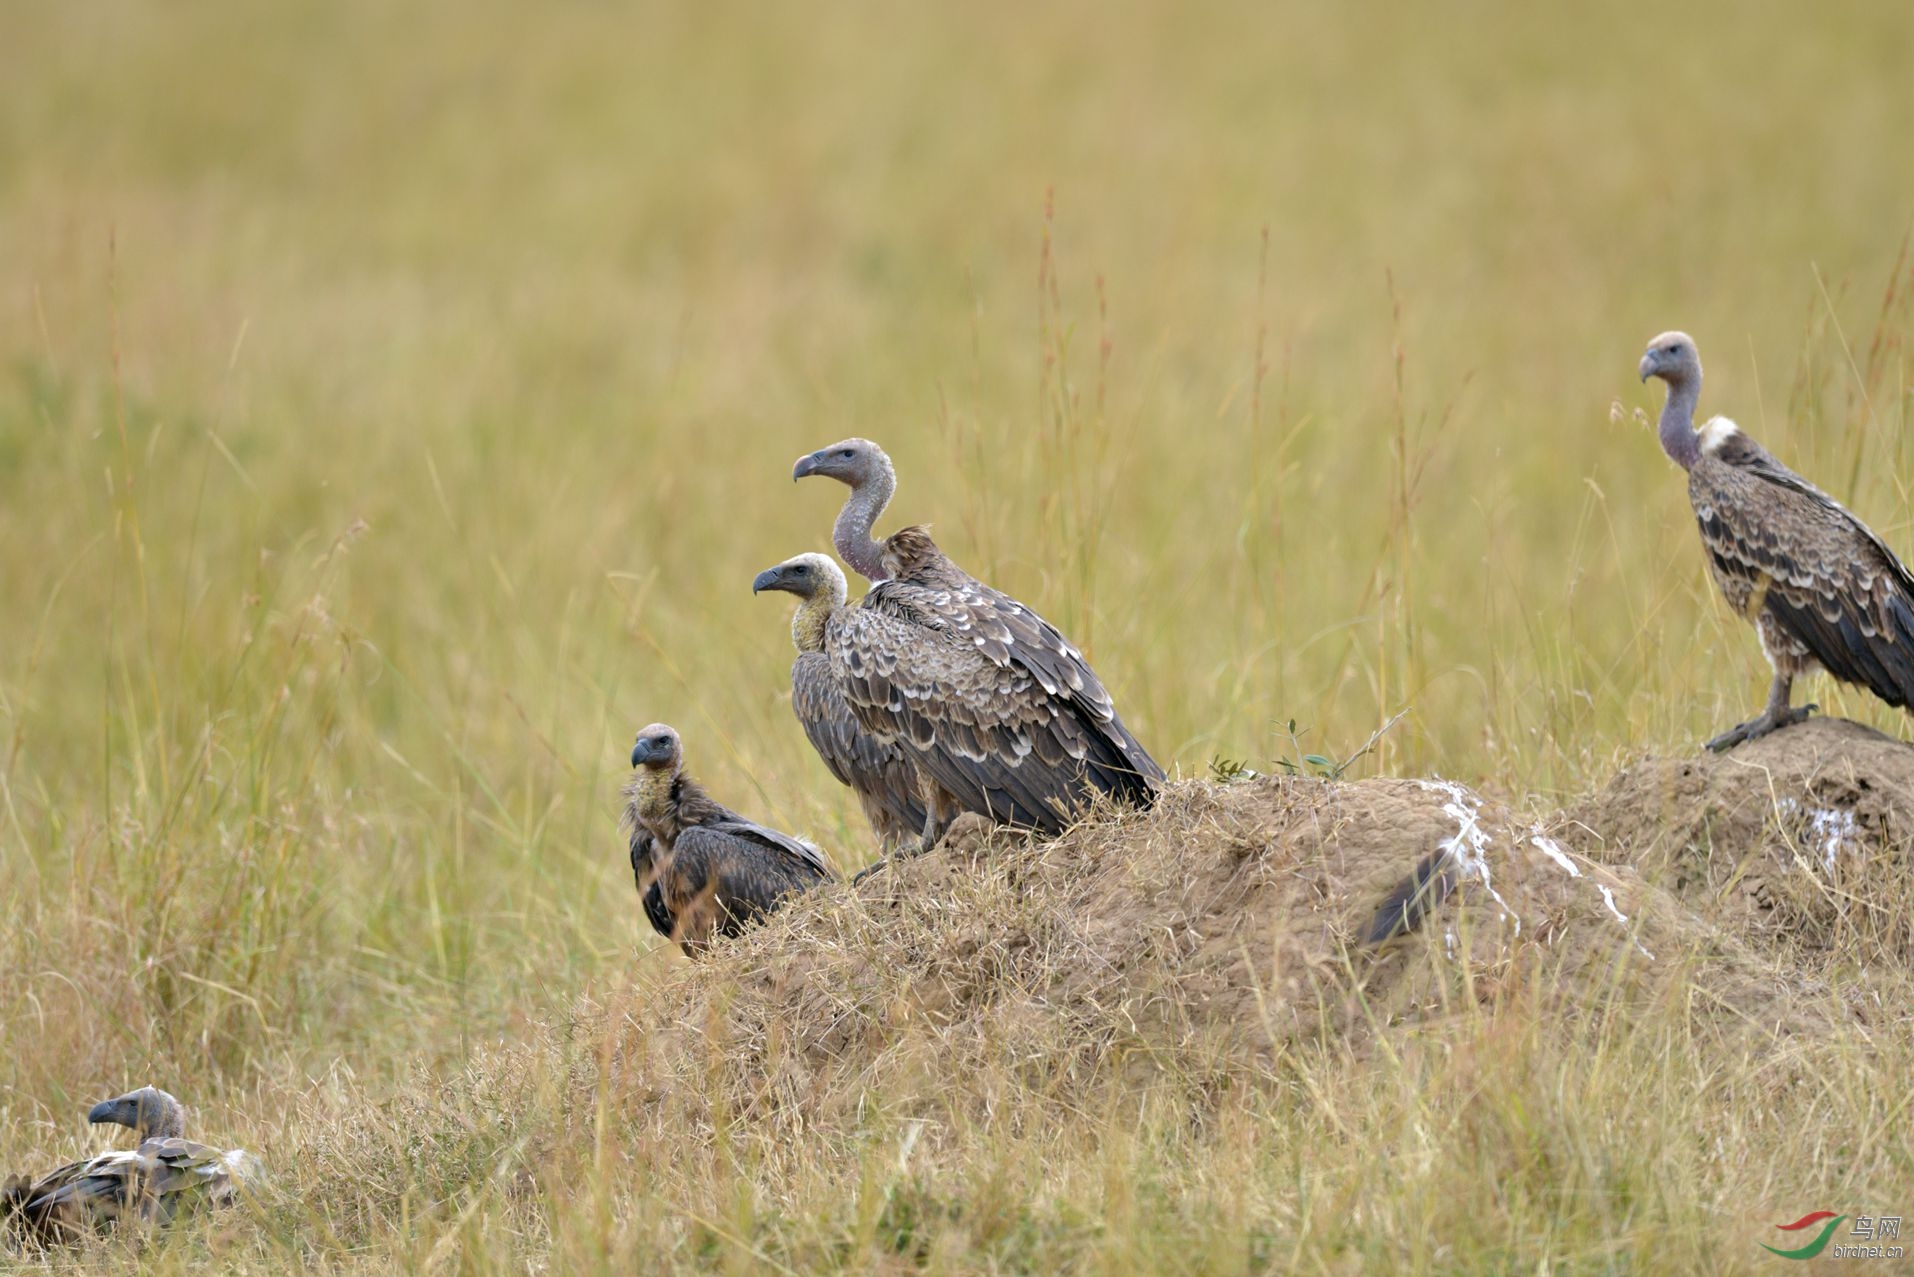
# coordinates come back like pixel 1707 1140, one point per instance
pixel 1001 714
pixel 148 1184
pixel 877 769
pixel 702 869
pixel 1823 591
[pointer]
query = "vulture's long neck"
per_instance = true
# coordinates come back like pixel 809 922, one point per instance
pixel 852 535
pixel 169 1122
pixel 1678 437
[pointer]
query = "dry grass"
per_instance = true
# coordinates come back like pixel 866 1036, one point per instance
pixel 381 392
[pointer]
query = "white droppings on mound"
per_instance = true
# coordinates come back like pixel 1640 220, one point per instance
pixel 1469 848
pixel 1553 850
pixel 1831 831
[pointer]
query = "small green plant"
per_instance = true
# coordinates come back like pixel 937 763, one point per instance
pixel 1226 771
pixel 1320 765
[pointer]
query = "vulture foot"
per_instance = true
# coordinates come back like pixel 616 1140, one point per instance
pixel 1755 728
pixel 868 870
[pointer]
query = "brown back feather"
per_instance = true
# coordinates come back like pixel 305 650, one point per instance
pixel 995 704
pixel 1824 577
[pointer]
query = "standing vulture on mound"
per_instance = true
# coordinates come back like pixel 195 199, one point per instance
pixel 1822 590
pixel 701 867
pixel 877 769
pixel 1001 714
pixel 149 1184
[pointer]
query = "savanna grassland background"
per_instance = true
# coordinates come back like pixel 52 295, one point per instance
pixel 397 401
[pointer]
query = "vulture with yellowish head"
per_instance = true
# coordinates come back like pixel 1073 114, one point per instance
pixel 1823 591
pixel 1001 714
pixel 876 768
pixel 702 869
pixel 151 1183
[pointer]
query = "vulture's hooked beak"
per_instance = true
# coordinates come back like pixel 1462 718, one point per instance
pixel 110 1111
pixel 806 464
pixel 647 751
pixel 1648 367
pixel 768 579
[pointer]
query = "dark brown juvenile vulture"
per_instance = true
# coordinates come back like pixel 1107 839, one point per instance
pixel 712 871
pixel 877 769
pixel 1822 590
pixel 149 1184
pixel 1001 714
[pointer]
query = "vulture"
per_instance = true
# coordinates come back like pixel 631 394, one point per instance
pixel 701 868
pixel 150 1184
pixel 1002 716
pixel 1823 591
pixel 876 768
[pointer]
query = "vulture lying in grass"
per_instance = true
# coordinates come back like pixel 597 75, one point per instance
pixel 1002 716
pixel 149 1184
pixel 876 768
pixel 1822 590
pixel 702 869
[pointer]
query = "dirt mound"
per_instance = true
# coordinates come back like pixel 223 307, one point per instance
pixel 1801 837
pixel 1218 931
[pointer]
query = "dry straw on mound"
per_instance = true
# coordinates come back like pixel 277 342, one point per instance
pixel 1201 942
pixel 1800 837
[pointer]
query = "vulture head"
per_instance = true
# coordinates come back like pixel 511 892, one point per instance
pixel 861 466
pixel 657 749
pixel 857 463
pixel 1673 358
pixel 150 1111
pixel 808 576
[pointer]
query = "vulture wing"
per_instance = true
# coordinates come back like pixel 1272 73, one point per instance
pixel 655 911
pixel 876 768
pixel 1777 542
pixel 152 1183
pixel 1011 635
pixel 51 1208
pixel 719 877
pixel 644 874
pixel 181 1175
pixel 85 1196
pixel 983 698
pixel 751 833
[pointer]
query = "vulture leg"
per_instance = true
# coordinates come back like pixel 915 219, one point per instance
pixel 940 808
pixel 1778 715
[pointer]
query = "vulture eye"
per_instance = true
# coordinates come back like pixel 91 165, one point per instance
pixel 846 453
pixel 801 569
